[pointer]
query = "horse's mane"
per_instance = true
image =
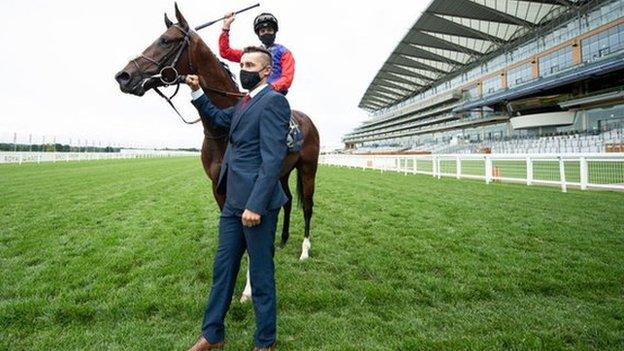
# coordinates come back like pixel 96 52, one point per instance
pixel 223 65
pixel 226 67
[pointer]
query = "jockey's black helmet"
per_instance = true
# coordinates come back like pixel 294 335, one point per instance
pixel 265 20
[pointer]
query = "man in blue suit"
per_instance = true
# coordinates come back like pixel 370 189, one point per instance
pixel 258 127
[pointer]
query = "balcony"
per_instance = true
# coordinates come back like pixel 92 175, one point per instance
pixel 424 130
pixel 416 107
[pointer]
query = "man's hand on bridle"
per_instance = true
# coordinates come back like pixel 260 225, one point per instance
pixel 192 81
pixel 250 218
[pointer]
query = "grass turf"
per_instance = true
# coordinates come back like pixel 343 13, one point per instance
pixel 117 255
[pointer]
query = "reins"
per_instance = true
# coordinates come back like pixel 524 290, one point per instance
pixel 168 99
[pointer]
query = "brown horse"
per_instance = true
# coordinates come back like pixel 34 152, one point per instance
pixel 181 48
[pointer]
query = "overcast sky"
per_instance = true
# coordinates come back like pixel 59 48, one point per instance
pixel 59 59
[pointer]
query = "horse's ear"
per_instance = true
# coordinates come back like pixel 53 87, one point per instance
pixel 180 18
pixel 168 22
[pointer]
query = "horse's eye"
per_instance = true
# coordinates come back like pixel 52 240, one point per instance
pixel 164 41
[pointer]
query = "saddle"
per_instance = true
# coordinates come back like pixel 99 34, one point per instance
pixel 294 140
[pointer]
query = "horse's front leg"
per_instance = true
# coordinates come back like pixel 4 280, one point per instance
pixel 246 296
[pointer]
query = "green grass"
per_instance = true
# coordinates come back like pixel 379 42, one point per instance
pixel 117 255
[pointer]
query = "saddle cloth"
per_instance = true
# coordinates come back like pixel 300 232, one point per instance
pixel 294 140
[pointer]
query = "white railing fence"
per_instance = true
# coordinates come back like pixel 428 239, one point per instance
pixel 584 171
pixel 38 157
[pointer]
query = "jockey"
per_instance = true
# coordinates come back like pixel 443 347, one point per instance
pixel 265 26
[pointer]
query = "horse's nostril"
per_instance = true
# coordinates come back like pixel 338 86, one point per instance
pixel 122 77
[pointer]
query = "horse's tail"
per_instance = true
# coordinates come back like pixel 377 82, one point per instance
pixel 299 189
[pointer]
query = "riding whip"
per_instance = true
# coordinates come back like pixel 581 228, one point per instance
pixel 217 20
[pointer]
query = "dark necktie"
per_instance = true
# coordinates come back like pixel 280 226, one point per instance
pixel 245 101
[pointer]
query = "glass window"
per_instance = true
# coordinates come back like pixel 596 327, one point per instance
pixel 601 15
pixel 470 92
pixel 561 34
pixel 555 62
pixel 491 85
pixel 519 75
pixel 603 43
pixel 473 73
pixel 603 119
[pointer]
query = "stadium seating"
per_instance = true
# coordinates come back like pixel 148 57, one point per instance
pixel 576 143
pixel 556 144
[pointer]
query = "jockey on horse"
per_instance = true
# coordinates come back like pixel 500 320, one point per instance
pixel 265 26
pixel 283 65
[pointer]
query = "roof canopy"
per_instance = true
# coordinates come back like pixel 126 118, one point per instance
pixel 449 35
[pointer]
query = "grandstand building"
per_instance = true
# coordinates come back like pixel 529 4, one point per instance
pixel 505 75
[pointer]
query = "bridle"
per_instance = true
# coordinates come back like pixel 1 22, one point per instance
pixel 168 75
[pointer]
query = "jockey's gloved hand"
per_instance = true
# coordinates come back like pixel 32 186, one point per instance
pixel 227 21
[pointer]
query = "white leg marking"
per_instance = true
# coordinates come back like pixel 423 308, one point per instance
pixel 247 292
pixel 305 249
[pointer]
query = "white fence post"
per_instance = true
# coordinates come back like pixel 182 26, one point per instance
pixel 488 170
pixel 529 170
pixel 439 167
pixel 458 166
pixel 433 166
pixel 562 175
pixel 414 165
pixel 584 173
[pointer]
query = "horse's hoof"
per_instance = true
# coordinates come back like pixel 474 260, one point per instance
pixel 305 249
pixel 245 298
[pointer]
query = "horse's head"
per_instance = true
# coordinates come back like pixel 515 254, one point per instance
pixel 162 62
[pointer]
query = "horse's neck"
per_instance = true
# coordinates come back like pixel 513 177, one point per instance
pixel 213 75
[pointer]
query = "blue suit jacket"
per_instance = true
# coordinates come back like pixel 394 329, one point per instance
pixel 256 150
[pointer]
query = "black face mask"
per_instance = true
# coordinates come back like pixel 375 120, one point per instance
pixel 267 39
pixel 249 79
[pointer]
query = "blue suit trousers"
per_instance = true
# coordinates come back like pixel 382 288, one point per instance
pixel 234 239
